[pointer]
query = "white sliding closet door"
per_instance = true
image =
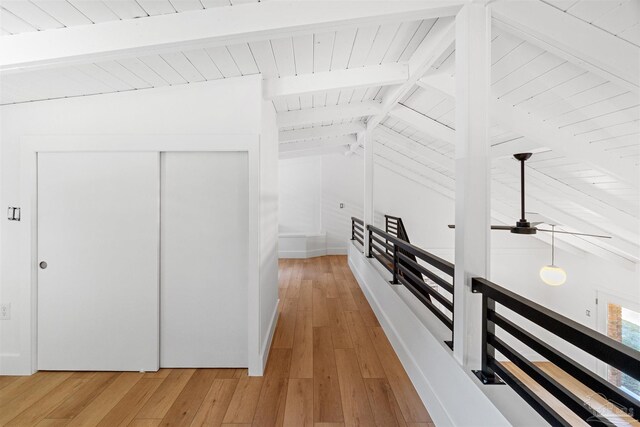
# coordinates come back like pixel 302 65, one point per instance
pixel 204 259
pixel 98 233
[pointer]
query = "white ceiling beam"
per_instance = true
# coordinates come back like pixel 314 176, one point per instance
pixel 327 114
pixel 303 84
pixel 340 141
pixel 558 140
pixel 570 38
pixel 209 27
pixel 437 41
pixel 320 132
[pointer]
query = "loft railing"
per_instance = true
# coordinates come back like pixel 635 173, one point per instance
pixel 357 230
pixel 597 345
pixel 394 254
pixel 424 280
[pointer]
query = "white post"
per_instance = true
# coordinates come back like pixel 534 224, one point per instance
pixel 365 138
pixel 473 176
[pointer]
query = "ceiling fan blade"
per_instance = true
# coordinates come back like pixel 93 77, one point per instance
pixel 574 234
pixel 493 227
pixel 501 227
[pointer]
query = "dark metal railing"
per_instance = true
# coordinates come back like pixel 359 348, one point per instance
pixel 401 259
pixel 597 345
pixel 357 230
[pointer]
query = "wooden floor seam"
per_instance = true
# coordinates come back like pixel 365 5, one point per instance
pixel 330 365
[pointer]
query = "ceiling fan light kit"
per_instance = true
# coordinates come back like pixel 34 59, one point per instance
pixel 553 275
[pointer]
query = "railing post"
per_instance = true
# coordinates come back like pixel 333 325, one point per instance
pixel 353 229
pixel 396 259
pixel 486 373
pixel 369 250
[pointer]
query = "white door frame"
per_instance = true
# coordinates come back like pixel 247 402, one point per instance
pixel 32 145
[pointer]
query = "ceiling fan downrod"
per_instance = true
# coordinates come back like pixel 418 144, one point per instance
pixel 522 226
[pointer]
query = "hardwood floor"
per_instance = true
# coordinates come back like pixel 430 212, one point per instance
pixel 606 408
pixel 330 365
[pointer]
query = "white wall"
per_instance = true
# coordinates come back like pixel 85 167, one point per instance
pixel 268 228
pixel 342 182
pixel 230 106
pixel 300 190
pixel 515 259
pixel 311 190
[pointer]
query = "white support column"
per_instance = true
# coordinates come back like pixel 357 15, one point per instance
pixel 473 176
pixel 365 138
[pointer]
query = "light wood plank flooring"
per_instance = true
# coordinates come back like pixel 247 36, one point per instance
pixel 607 409
pixel 330 365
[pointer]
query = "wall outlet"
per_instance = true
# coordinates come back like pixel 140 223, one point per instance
pixel 5 311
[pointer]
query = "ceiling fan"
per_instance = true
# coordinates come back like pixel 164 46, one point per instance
pixel 522 225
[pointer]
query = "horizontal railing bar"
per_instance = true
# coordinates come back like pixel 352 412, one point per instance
pixel 357 233
pixel 577 371
pixel 381 251
pixel 380 259
pixel 421 284
pixel 360 241
pixel 598 345
pixel 382 242
pixel 392 217
pixel 425 300
pixel 558 391
pixel 358 226
pixel 540 406
pixel 357 220
pixel 437 262
pixel 431 275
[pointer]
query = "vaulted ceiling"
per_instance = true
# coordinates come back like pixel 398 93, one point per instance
pixel 565 83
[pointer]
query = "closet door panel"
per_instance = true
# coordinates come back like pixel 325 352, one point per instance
pixel 98 243
pixel 204 259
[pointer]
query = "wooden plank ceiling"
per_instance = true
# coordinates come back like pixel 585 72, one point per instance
pixel 584 109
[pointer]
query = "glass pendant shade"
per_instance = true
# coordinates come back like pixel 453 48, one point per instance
pixel 553 275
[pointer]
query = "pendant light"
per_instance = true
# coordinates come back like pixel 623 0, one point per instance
pixel 553 275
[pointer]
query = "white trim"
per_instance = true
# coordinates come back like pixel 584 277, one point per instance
pixel 32 145
pixel 264 353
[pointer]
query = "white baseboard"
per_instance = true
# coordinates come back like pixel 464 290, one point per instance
pixel 446 389
pixel 266 346
pixel 302 254
pixel 13 364
pixel 337 251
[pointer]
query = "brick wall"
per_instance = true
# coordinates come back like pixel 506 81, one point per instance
pixel 614 330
